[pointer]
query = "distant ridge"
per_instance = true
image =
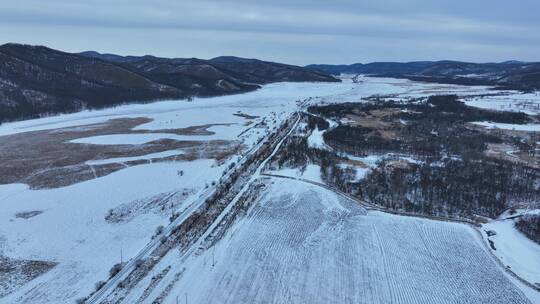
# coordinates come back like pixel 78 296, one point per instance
pixel 37 80
pixel 510 74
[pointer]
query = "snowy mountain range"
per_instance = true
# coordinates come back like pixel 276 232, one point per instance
pixel 509 74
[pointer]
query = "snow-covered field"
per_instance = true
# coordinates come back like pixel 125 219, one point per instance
pixel 505 126
pixel 508 101
pixel 311 172
pixel 300 243
pixel 72 229
pixel 389 88
pixel 68 224
pixel 126 159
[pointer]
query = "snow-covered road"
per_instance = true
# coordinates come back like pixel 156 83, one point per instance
pixel 193 207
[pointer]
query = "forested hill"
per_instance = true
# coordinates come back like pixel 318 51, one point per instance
pixel 509 74
pixel 37 81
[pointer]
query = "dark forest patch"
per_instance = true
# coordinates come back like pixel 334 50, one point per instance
pixel 530 226
pixel 453 174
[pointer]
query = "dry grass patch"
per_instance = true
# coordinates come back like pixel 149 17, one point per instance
pixel 16 273
pixel 380 120
pixel 47 158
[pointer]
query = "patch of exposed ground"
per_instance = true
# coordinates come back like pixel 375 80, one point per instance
pixel 163 203
pixel 153 283
pixel 512 153
pixel 16 273
pixel 525 154
pixel 193 130
pixel 355 163
pixel 46 158
pixel 386 123
pixel 28 214
pixel 380 120
pixel 244 115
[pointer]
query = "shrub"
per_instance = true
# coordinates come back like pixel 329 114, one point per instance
pixel 159 230
pixel 99 285
pixel 139 263
pixel 115 269
pixel 530 226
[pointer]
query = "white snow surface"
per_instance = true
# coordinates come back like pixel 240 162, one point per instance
pixel 138 139
pixel 361 173
pixel 279 98
pixel 514 249
pixel 311 172
pixel 301 243
pixel 505 126
pixel 370 160
pixel 72 230
pixel 316 140
pixel 508 101
pixel 126 159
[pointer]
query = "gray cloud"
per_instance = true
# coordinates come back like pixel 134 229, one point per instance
pixel 301 32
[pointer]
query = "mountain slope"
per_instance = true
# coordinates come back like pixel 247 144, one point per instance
pixel 195 76
pixel 257 71
pixel 218 74
pixel 508 74
pixel 37 81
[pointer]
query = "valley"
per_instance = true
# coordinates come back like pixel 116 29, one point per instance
pixel 269 152
pixel 185 197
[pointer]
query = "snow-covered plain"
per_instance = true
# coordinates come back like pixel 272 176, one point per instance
pixel 508 101
pixel 311 172
pixel 371 161
pixel 505 126
pixel 126 159
pixel 301 243
pixel 72 230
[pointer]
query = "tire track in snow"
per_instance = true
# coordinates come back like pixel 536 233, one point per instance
pixel 385 265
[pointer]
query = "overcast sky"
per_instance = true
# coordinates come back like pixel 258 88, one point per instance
pixel 297 32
